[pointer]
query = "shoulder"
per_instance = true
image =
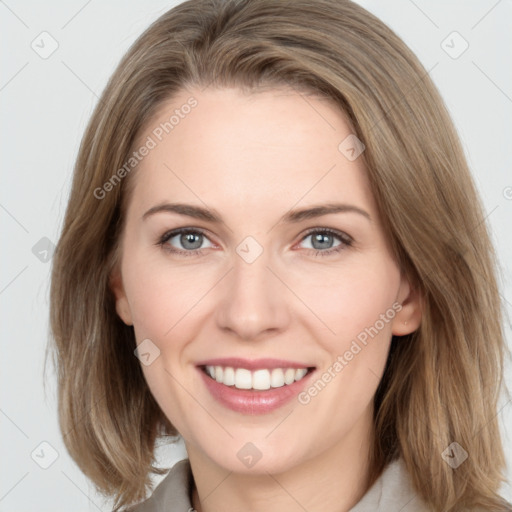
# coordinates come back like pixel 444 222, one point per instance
pixel 172 494
pixel 392 491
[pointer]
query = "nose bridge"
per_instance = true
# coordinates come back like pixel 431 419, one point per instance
pixel 253 300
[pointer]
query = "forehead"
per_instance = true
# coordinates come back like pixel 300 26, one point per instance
pixel 248 152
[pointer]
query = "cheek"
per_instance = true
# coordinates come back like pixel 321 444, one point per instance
pixel 162 299
pixel 358 307
pixel 161 295
pixel 352 300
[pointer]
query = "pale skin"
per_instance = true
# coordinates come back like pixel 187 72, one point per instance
pixel 251 158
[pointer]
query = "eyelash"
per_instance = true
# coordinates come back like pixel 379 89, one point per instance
pixel 346 241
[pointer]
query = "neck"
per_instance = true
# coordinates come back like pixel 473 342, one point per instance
pixel 335 479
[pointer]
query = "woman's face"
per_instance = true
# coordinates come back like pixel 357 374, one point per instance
pixel 281 273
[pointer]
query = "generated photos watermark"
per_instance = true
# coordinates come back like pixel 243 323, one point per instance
pixel 344 359
pixel 151 142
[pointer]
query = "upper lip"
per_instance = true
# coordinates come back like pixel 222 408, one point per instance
pixel 253 364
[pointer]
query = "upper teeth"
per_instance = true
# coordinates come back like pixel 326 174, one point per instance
pixel 258 379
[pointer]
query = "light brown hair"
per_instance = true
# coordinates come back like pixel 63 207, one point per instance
pixel 441 383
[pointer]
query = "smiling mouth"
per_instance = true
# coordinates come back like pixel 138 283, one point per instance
pixel 257 380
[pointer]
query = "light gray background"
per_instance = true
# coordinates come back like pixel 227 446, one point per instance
pixel 45 104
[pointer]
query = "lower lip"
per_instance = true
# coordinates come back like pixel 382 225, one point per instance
pixel 248 401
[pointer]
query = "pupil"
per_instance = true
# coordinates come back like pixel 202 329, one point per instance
pixel 322 239
pixel 191 238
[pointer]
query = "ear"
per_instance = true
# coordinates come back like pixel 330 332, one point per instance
pixel 122 305
pixel 408 318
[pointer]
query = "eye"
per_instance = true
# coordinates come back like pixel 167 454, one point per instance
pixel 323 241
pixel 184 241
pixel 189 241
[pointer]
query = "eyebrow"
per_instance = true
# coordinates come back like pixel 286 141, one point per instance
pixel 293 216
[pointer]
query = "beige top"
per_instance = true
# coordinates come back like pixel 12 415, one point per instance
pixel 391 492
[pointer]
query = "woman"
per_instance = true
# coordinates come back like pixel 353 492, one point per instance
pixel 273 247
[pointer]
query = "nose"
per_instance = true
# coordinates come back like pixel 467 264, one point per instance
pixel 254 302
